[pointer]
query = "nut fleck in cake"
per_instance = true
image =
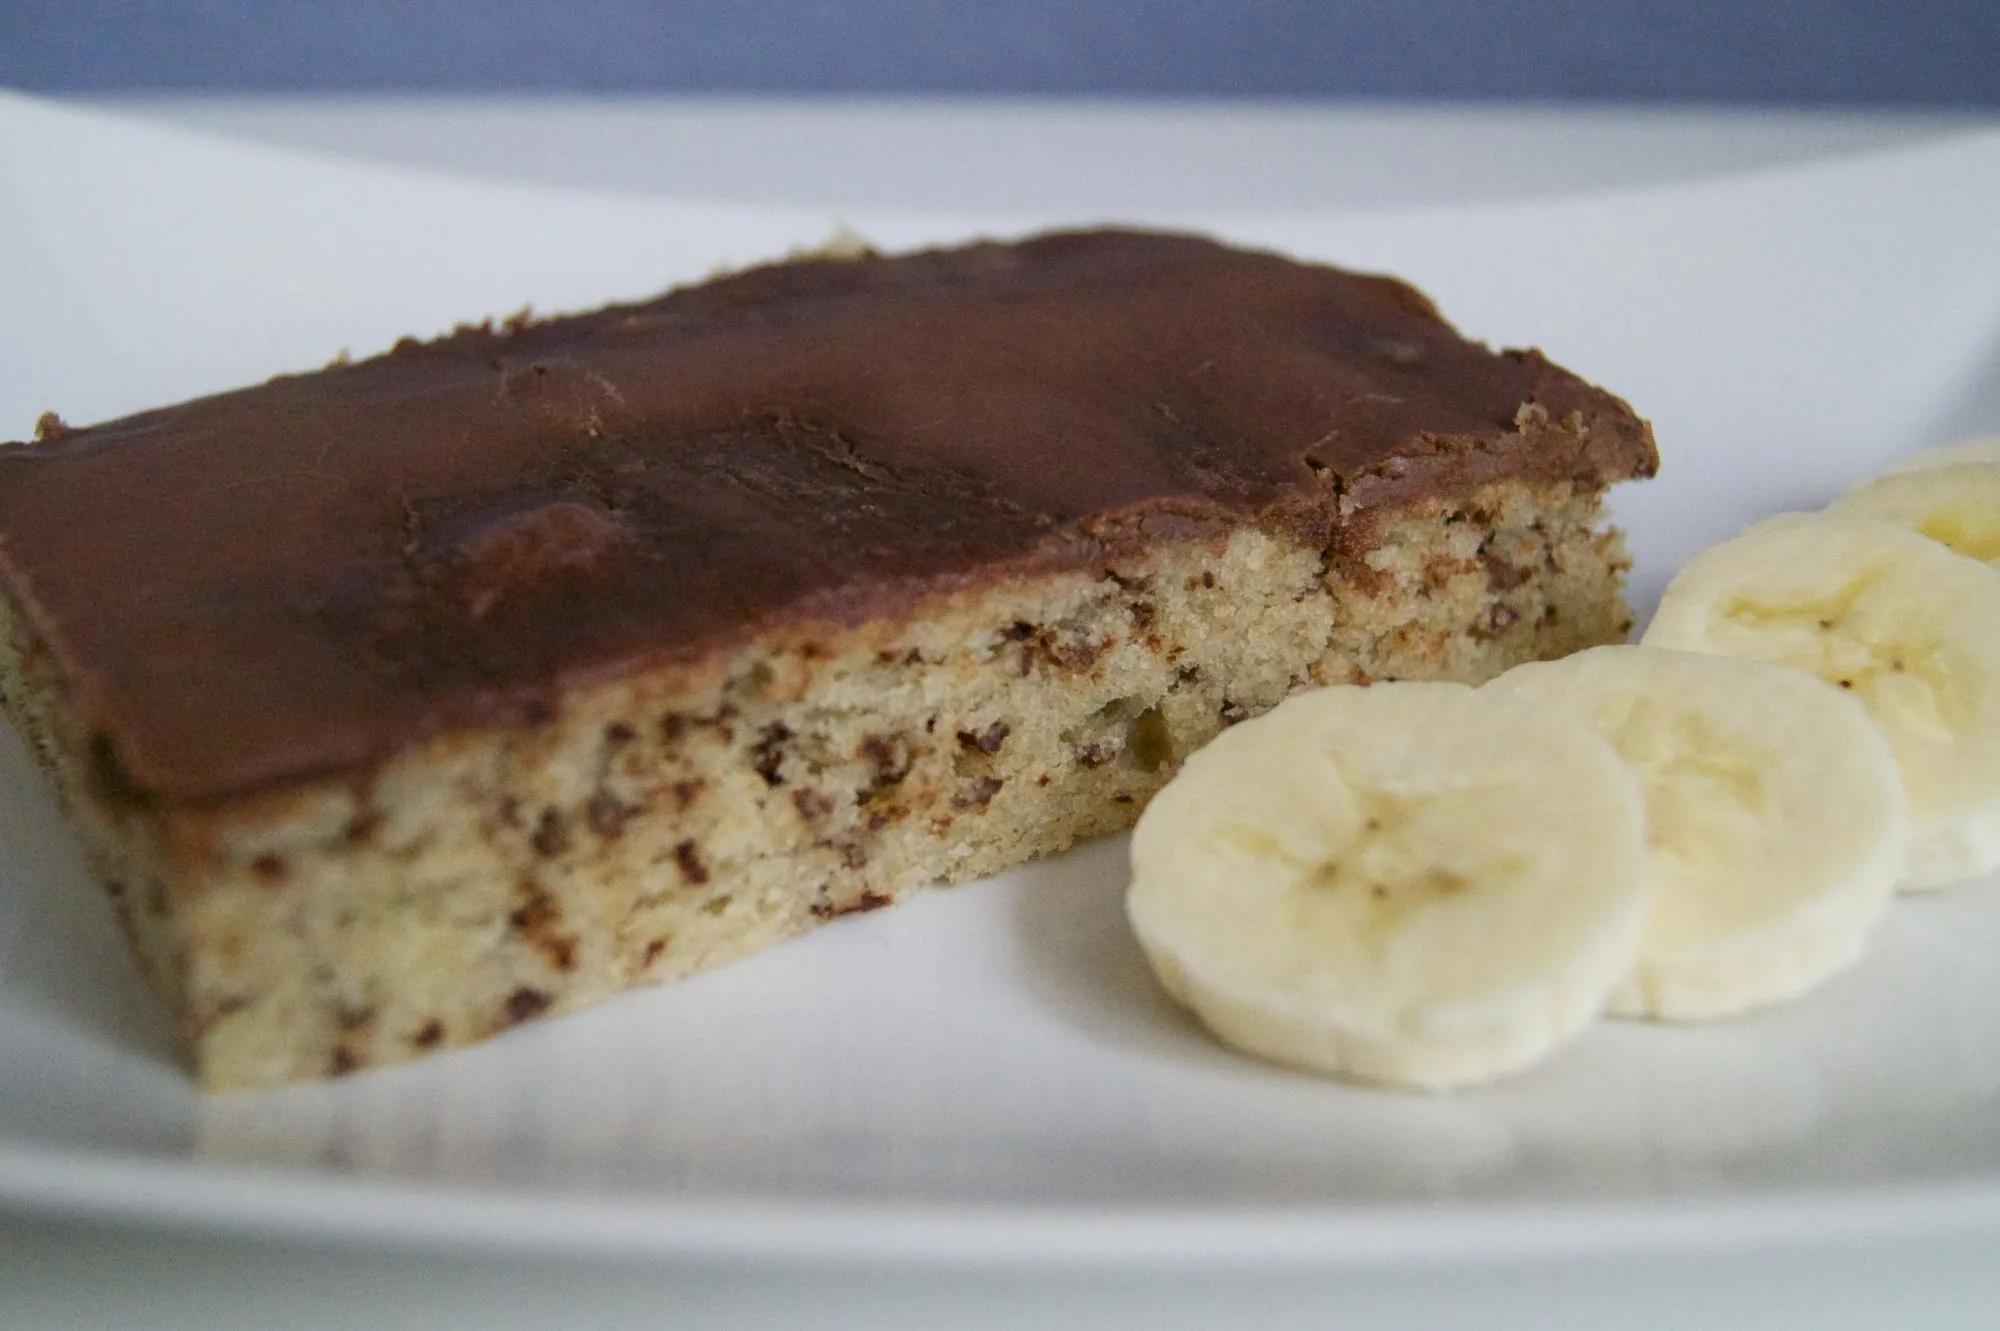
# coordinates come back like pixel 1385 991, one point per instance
pixel 408 700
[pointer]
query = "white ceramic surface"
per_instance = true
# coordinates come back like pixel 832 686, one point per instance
pixel 1081 156
pixel 987 1074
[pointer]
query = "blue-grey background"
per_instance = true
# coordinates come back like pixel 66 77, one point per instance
pixel 1913 52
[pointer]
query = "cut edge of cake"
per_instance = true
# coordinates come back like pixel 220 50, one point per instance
pixel 679 817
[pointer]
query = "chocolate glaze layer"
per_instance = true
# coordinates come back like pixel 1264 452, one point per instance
pixel 304 577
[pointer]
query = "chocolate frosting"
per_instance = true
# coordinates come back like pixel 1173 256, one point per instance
pixel 303 577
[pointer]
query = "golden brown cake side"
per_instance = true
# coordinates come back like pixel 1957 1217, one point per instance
pixel 672 819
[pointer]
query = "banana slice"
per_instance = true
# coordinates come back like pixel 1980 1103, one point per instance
pixel 1908 627
pixel 1950 455
pixel 1956 505
pixel 1773 811
pixel 1408 883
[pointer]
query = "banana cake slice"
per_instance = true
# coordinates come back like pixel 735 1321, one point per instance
pixel 405 701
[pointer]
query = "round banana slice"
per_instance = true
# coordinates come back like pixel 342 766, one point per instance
pixel 1950 455
pixel 1409 883
pixel 1956 505
pixel 1773 811
pixel 1905 625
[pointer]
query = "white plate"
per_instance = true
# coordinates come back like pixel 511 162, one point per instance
pixel 987 1074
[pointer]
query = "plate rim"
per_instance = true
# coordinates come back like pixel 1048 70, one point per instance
pixel 277 1202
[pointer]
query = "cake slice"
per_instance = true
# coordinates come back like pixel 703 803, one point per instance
pixel 402 702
